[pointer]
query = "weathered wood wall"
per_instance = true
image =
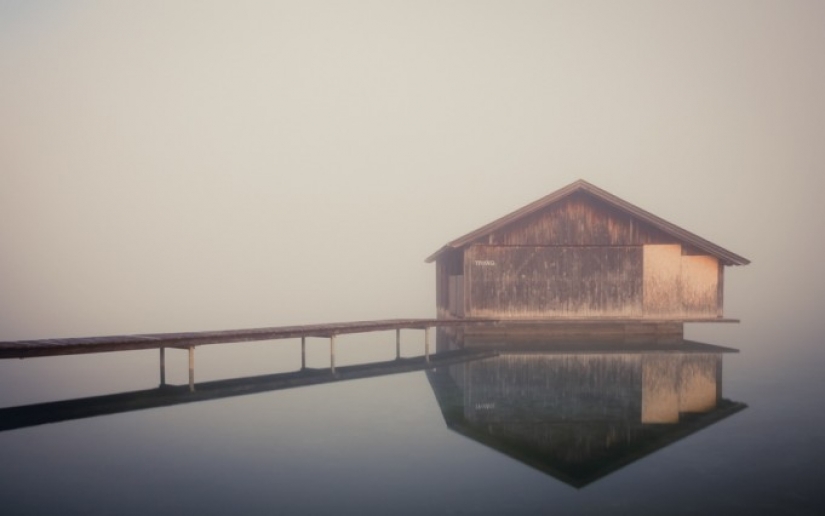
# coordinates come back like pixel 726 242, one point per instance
pixel 534 282
pixel 578 220
pixel 662 280
pixel 579 258
pixel 680 285
pixel 449 264
pixel 456 305
pixel 699 285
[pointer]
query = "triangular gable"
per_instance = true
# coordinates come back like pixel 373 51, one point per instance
pixel 725 256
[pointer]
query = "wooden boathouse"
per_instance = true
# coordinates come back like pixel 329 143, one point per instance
pixel 582 253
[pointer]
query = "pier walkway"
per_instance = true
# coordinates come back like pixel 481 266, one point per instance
pixel 80 345
pixel 556 327
pixel 162 341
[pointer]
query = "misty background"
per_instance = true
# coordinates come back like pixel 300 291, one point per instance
pixel 188 166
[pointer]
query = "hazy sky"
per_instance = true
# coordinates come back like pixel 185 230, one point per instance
pixel 191 165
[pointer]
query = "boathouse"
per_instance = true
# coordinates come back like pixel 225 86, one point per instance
pixel 582 253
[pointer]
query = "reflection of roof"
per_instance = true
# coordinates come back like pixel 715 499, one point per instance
pixel 576 429
pixel 676 232
pixel 648 439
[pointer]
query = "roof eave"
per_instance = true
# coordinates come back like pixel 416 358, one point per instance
pixel 727 257
pixel 433 257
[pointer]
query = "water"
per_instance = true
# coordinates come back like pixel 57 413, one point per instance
pixel 386 445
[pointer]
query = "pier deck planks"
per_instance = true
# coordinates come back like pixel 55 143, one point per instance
pixel 80 345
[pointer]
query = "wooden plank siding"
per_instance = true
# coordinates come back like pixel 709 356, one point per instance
pixel 579 258
pixel 720 289
pixel 699 286
pixel 576 258
pixel 534 282
pixel 581 253
pixel 662 280
pixel 456 306
pixel 680 285
pixel 578 220
pixel 560 210
pixel 448 265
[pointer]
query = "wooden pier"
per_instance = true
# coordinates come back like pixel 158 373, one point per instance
pixel 548 327
pixel 557 326
pixel 80 345
pixel 161 341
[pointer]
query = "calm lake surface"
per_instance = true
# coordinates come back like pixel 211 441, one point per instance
pixel 486 437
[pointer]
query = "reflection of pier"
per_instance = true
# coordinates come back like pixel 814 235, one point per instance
pixel 632 328
pixel 579 411
pixel 166 395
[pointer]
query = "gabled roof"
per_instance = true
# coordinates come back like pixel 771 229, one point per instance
pixel 727 257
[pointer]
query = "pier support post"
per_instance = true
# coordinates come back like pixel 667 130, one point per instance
pixel 427 344
pixel 303 353
pixel 332 353
pixel 162 366
pixel 191 368
pixel 398 343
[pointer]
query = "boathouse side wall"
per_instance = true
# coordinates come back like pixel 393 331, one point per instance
pixel 579 257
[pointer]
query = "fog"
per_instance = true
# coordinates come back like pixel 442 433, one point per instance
pixel 185 166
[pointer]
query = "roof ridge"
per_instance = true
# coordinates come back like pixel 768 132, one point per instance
pixel 585 186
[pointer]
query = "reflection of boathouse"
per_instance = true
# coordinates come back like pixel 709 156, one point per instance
pixel 579 412
pixel 581 253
